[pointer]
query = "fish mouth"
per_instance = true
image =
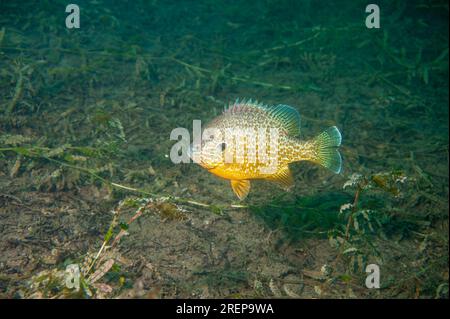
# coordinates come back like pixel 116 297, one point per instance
pixel 207 167
pixel 210 168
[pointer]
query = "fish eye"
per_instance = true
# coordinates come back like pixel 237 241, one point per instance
pixel 222 146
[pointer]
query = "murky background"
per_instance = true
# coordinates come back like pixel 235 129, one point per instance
pixel 85 177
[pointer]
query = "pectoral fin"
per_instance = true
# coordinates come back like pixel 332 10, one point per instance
pixel 283 178
pixel 240 187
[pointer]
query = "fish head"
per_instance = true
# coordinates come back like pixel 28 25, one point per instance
pixel 210 152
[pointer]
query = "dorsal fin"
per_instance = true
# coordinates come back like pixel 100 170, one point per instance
pixel 286 115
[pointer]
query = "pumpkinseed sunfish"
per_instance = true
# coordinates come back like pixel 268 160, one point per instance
pixel 251 140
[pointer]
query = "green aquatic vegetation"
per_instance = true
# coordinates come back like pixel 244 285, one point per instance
pixel 302 216
pixel 105 263
pixel 74 160
pixel 2 35
pixel 67 157
pixel 416 66
pixel 367 217
pixel 89 110
pixel 95 158
pixel 356 221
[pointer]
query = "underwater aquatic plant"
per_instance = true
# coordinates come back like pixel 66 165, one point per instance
pixel 365 218
pixel 96 265
pixel 90 112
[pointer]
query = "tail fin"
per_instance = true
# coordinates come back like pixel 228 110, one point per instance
pixel 326 146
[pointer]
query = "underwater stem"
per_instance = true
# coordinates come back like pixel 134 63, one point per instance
pixel 17 94
pixel 34 152
pixel 350 217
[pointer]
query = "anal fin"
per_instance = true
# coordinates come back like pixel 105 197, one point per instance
pixel 240 187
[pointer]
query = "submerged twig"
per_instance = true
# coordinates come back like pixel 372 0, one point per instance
pixel 2 35
pixel 352 213
pixel 233 78
pixel 34 152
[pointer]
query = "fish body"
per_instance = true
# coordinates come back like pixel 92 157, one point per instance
pixel 251 140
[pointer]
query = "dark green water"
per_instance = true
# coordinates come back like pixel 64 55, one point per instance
pixel 85 121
